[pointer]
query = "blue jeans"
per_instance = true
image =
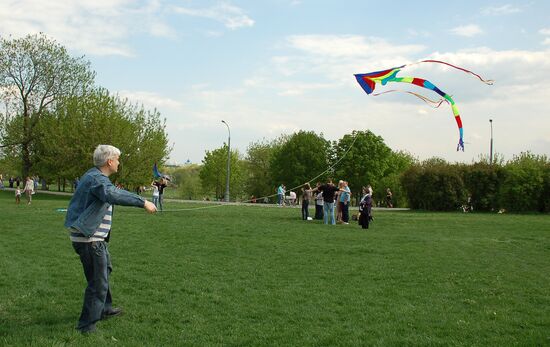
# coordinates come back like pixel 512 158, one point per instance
pixel 156 201
pixel 345 212
pixel 328 208
pixel 96 262
pixel 305 209
pixel 160 201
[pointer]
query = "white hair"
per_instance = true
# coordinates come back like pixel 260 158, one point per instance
pixel 103 153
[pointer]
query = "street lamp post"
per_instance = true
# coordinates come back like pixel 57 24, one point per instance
pixel 228 162
pixel 491 150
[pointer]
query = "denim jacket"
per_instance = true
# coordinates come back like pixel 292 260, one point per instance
pixel 93 196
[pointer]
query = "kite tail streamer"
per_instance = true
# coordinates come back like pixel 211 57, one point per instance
pixel 456 113
pixel 489 82
pixel 460 146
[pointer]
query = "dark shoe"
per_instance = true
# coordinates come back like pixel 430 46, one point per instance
pixel 115 311
pixel 90 329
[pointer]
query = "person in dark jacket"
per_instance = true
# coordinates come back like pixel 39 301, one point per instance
pixel 365 208
pixel 89 219
pixel 329 190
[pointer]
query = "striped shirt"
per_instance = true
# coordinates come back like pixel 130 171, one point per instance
pixel 100 234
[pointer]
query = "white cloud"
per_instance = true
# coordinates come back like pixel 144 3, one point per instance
pixel 99 27
pixel 348 45
pixel 151 100
pixel 231 16
pixel 418 33
pixel 467 30
pixel 546 32
pixel 500 10
pixel 335 58
pixel 296 89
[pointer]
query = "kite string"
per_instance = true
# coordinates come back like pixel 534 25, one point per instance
pixel 272 195
pixel 430 102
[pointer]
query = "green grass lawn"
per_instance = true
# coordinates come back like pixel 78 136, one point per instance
pixel 254 276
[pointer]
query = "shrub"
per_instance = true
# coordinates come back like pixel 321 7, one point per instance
pixel 434 185
pixel 524 183
pixel 482 181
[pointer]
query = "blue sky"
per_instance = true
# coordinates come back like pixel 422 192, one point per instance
pixel 275 67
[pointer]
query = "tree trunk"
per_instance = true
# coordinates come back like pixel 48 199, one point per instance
pixel 26 158
pixel 25 151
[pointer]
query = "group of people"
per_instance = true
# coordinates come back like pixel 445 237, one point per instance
pixel 329 199
pixel 29 185
pixel 17 182
pixel 28 190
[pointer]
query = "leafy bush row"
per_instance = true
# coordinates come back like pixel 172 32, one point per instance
pixel 521 184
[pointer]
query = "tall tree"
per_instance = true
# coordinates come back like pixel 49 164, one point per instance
pixel 36 73
pixel 188 181
pixel 258 161
pixel 300 158
pixel 399 162
pixel 70 134
pixel 367 159
pixel 214 172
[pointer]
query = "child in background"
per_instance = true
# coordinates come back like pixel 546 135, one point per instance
pixel 155 195
pixel 17 196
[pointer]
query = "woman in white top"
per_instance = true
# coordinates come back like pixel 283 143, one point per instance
pixel 29 189
pixel 319 202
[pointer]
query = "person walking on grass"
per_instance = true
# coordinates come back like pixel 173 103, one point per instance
pixel 281 194
pixel 29 189
pixel 89 219
pixel 17 196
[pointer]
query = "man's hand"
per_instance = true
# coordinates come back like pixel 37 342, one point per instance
pixel 150 207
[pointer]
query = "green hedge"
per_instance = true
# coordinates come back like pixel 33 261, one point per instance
pixel 522 184
pixel 434 187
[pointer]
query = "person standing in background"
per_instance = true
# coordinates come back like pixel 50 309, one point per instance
pixel 389 198
pixel 306 196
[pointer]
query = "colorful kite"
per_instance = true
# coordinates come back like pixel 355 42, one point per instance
pixel 156 172
pixel 368 82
